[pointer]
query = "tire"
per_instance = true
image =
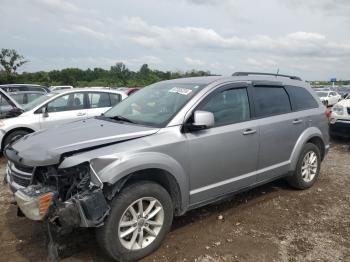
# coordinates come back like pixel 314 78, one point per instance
pixel 300 181
pixel 14 136
pixel 110 234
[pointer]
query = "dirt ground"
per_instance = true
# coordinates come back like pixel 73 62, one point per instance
pixel 270 223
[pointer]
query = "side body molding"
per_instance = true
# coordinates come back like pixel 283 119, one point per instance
pixel 303 138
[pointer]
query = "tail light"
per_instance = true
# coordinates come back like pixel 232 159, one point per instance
pixel 328 114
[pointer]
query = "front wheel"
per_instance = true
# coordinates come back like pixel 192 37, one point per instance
pixel 308 167
pixel 141 216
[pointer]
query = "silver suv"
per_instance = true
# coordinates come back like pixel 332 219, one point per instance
pixel 169 148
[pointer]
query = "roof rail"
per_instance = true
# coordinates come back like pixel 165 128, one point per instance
pixel 265 74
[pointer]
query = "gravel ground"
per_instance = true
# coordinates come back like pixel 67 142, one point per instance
pixel 270 223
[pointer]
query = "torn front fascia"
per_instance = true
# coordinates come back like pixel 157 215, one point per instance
pixel 87 209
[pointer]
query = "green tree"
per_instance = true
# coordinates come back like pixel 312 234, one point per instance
pixel 120 73
pixel 10 61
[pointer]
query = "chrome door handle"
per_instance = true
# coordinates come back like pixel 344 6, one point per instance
pixel 297 121
pixel 81 114
pixel 249 132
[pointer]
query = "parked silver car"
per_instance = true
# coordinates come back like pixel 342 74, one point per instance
pixel 169 148
pixel 56 108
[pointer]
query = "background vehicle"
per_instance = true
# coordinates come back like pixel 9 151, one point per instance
pixel 170 147
pixel 127 90
pixel 344 91
pixel 25 97
pixel 329 98
pixel 8 106
pixel 339 125
pixel 57 108
pixel 24 87
pixel 53 88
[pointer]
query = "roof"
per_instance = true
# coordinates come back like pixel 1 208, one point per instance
pixel 22 85
pixel 60 91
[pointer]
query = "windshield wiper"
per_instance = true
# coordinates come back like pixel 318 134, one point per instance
pixel 121 118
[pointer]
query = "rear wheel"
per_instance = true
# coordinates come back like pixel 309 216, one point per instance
pixel 14 136
pixel 308 167
pixel 140 218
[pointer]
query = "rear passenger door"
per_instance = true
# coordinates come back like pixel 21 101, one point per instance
pixel 280 128
pixel 100 102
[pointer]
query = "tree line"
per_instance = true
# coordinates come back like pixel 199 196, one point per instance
pixel 116 75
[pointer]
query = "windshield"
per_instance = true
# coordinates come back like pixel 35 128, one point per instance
pixel 154 105
pixel 37 101
pixel 322 94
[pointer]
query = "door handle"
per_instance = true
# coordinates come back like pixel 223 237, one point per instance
pixel 81 114
pixel 297 121
pixel 249 132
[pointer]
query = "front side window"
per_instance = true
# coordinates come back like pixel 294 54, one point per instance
pixel 68 102
pixel 32 96
pixel 155 105
pixel 271 101
pixel 19 98
pixel 301 99
pixel 229 106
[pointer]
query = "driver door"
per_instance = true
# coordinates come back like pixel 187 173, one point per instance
pixel 64 109
pixel 223 158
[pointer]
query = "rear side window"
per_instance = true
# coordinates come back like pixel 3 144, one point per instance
pixel 115 99
pixel 301 99
pixel 99 100
pixel 271 101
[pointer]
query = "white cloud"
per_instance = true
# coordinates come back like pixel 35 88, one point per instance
pixel 329 7
pixel 304 44
pixel 90 32
pixel 193 62
pixel 58 6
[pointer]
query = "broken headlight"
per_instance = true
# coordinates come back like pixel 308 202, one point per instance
pixel 67 181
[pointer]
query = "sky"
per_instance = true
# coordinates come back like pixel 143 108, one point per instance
pixel 308 38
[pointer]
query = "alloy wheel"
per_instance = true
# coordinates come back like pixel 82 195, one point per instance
pixel 141 223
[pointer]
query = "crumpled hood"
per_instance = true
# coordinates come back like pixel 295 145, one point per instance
pixel 46 147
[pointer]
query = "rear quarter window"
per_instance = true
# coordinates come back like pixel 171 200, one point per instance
pixel 270 101
pixel 301 98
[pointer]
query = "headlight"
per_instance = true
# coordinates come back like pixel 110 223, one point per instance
pixel 338 109
pixel 34 201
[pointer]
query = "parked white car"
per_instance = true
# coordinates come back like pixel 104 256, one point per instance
pixel 329 98
pixel 57 108
pixel 339 125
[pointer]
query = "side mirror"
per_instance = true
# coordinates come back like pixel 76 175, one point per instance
pixel 202 120
pixel 44 111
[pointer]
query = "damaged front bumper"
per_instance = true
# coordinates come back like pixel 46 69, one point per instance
pixel 87 209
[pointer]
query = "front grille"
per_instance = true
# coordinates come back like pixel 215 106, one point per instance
pixel 348 110
pixel 21 175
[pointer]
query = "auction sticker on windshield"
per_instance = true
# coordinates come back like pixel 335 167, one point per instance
pixel 181 91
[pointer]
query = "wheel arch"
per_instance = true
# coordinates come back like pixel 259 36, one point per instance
pixel 310 135
pixel 30 130
pixel 150 166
